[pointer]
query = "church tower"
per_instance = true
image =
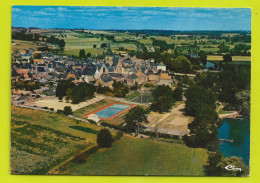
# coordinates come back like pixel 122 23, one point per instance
pixel 109 51
pixel 119 67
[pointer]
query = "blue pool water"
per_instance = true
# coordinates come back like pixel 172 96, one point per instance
pixel 111 110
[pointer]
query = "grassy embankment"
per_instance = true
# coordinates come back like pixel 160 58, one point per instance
pixel 133 95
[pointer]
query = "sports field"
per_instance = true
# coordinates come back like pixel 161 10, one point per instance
pixel 110 111
pixel 116 120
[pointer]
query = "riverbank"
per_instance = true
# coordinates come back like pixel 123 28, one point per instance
pixel 232 113
pixel 238 132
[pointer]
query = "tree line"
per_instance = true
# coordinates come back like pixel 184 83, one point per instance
pixel 119 89
pixel 73 92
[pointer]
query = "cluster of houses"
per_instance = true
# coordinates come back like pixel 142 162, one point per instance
pixel 45 67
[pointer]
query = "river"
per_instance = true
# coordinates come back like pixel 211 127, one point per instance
pixel 239 132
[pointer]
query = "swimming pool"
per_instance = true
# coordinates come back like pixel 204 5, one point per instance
pixel 111 110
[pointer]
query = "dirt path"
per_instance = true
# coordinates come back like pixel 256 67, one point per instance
pixel 173 122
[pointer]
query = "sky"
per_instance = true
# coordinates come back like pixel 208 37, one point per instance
pixel 135 18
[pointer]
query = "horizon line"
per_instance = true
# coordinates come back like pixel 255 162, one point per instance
pixel 130 29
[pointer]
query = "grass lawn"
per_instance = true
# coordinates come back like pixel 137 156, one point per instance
pixel 41 140
pixel 135 156
pixel 54 121
pixel 221 111
pixel 133 95
pixel 75 52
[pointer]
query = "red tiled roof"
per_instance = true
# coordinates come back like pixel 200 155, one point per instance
pixel 165 76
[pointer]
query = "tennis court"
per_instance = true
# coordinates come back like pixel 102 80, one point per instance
pixel 110 111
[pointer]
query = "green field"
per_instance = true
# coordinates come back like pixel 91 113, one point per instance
pixel 75 41
pixel 133 95
pixel 221 111
pixel 41 140
pixel 234 58
pixel 19 45
pixel 133 156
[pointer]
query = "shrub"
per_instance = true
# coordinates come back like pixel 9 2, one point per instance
pixel 60 98
pixel 111 126
pixel 52 109
pixel 59 111
pixel 104 138
pixel 67 110
pixel 92 121
pixel 228 107
pixel 119 134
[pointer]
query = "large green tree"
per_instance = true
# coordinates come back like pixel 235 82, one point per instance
pixel 120 89
pixel 82 92
pixel 227 58
pixel 61 43
pixel 200 103
pixel 177 93
pixel 199 98
pixel 211 168
pixel 104 138
pixel 134 118
pixel 163 99
pixel 82 53
pixel 243 102
pixel 62 87
pixel 181 64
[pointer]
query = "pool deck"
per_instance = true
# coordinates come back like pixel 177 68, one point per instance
pixel 115 115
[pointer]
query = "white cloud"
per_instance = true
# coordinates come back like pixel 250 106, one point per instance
pixel 16 10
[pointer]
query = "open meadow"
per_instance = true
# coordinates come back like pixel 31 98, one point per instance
pixel 234 58
pixel 133 156
pixel 20 44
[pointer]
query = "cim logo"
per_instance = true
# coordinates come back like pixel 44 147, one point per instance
pixel 232 168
